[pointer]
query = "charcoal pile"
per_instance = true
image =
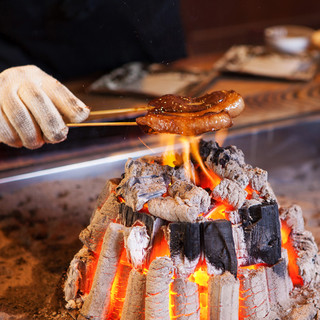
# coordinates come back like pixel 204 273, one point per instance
pixel 183 242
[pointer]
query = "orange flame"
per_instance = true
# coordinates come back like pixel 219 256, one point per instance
pixel 201 277
pixel 218 212
pixel 292 255
pixel 119 288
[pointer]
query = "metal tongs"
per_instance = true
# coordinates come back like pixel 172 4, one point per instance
pixel 110 112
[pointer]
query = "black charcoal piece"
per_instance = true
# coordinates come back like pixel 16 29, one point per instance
pixel 206 147
pixel 185 240
pixel 262 233
pixel 218 245
pixel 128 217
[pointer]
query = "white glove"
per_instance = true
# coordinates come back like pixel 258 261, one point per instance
pixel 33 107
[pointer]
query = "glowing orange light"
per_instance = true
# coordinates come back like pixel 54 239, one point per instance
pixel 160 247
pixel 219 212
pixel 169 156
pixel 292 255
pixel 250 191
pixel 201 277
pixel 208 179
pixel 119 287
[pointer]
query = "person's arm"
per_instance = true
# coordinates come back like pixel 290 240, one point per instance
pixel 34 107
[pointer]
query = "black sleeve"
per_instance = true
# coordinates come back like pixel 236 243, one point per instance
pixel 69 38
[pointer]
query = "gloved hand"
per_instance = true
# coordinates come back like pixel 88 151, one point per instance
pixel 34 107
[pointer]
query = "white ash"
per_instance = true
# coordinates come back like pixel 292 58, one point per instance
pixel 308 258
pixel 97 302
pixel 185 300
pixel 136 191
pixel 254 300
pixel 258 178
pixel 223 297
pixel 279 285
pixel 184 266
pixel 293 217
pixel 230 192
pixel 173 209
pixel 268 194
pixel 213 270
pixel 190 194
pixel 134 303
pixel 136 242
pixel 159 278
pixel 108 189
pixel 182 173
pixel 240 245
pixel 93 233
pixel 77 283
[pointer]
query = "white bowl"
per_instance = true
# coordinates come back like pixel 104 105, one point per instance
pixel 288 38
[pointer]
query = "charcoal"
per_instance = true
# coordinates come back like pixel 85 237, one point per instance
pixel 136 242
pixel 173 209
pixel 191 194
pixel 128 217
pixel 184 244
pixel 136 191
pixel 230 192
pixel 109 187
pixel 267 193
pixel 293 218
pixel 207 147
pixel 262 234
pixel 254 300
pixel 218 246
pixel 223 297
pixel 142 168
pixel 258 178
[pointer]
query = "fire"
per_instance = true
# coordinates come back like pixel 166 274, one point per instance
pixel 118 289
pixel 201 278
pixel 169 156
pixel 218 212
pixel 292 255
pixel 160 247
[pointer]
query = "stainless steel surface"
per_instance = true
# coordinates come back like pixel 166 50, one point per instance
pixel 272 148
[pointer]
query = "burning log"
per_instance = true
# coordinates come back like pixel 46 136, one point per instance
pixel 254 301
pixel 134 303
pixel 78 282
pixel 97 302
pixel 220 254
pixel 262 233
pixel 136 242
pixel 223 297
pixel 128 218
pixel 184 243
pixel 159 278
pixel 185 300
pixel 230 192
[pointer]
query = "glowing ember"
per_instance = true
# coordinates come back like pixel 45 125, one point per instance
pixel 201 277
pixel 292 255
